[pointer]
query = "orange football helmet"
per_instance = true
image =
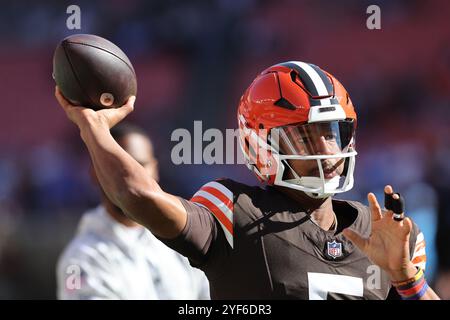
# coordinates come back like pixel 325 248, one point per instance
pixel 297 126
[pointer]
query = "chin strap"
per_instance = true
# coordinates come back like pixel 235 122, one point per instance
pixel 319 196
pixel 312 183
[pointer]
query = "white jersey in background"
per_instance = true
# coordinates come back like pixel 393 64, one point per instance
pixel 117 262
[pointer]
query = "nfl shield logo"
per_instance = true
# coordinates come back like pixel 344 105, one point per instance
pixel 334 249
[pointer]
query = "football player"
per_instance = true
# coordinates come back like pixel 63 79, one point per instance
pixel 290 239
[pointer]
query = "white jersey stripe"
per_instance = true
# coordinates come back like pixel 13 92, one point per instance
pixel 224 190
pixel 422 265
pixel 219 203
pixel 227 192
pixel 420 252
pixel 420 237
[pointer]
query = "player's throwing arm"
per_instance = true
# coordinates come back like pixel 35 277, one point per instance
pixel 94 74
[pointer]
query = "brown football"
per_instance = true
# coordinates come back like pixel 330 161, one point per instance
pixel 93 72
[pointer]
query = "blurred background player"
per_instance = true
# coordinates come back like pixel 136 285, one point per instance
pixel 118 258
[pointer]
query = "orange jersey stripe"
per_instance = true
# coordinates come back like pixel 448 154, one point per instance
pixel 216 211
pixel 219 195
pixel 419 259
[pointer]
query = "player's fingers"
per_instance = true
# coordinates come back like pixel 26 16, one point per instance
pixel 388 189
pixel 120 113
pixel 61 100
pixel 374 206
pixel 131 100
pixel 407 225
pixel 389 214
pixel 128 107
pixel 356 239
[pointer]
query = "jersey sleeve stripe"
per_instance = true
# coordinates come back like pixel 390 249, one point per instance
pixel 218 199
pixel 219 195
pixel 419 246
pixel 419 257
pixel 226 224
pixel 219 204
pixel 227 192
pixel 216 211
pixel 420 237
pixel 419 251
pixel 228 235
pixel 420 262
pixel 219 191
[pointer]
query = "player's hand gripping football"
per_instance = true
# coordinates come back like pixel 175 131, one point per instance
pixel 388 244
pixel 104 117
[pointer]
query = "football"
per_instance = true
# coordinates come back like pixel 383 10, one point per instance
pixel 93 72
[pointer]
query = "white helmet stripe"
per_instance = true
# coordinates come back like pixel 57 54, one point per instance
pixel 315 78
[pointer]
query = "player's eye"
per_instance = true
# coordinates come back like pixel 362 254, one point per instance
pixel 330 136
pixel 304 140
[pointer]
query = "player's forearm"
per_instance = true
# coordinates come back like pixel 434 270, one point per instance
pixel 129 185
pixel 120 176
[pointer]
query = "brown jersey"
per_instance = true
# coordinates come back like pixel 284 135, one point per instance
pixel 255 243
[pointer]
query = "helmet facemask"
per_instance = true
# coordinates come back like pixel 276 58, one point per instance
pixel 316 158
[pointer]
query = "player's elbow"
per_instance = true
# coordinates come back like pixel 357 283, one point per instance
pixel 156 210
pixel 134 192
pixel 129 197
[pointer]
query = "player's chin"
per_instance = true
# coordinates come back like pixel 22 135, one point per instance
pixel 330 175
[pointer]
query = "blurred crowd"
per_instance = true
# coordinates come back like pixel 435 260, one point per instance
pixel 193 61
